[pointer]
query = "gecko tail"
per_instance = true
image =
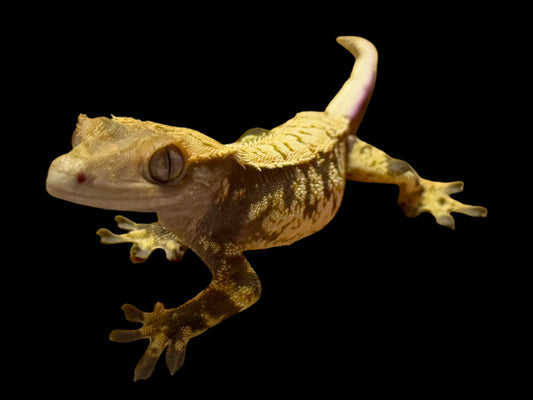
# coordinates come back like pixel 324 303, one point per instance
pixel 351 101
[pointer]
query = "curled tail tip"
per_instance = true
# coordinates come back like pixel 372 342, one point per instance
pixel 356 44
pixel 347 39
pixel 352 99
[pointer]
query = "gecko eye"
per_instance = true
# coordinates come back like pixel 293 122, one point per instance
pixel 166 164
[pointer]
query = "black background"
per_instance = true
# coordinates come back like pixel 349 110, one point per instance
pixel 374 303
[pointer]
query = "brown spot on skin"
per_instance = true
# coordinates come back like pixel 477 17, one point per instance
pixel 398 167
pixel 182 320
pixel 364 149
pixel 220 306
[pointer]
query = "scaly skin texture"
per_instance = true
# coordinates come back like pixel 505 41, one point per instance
pixel 270 188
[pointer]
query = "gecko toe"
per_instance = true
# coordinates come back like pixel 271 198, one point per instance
pixel 453 187
pixel 473 211
pixel 175 254
pixel 175 357
pixel 139 254
pixel 147 363
pixel 108 237
pixel 132 313
pixel 125 223
pixel 125 336
pixel 446 220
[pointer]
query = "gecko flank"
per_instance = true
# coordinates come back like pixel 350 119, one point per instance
pixel 269 188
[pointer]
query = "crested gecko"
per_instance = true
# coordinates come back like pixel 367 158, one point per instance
pixel 269 188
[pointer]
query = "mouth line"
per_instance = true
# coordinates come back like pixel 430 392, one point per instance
pixel 110 202
pixel 105 202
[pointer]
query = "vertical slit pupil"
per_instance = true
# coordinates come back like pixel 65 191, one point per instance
pixel 166 164
pixel 169 163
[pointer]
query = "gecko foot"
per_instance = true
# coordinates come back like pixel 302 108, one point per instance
pixel 434 197
pixel 163 334
pixel 145 238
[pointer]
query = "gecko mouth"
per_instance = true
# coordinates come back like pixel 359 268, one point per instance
pixel 82 188
pixel 74 189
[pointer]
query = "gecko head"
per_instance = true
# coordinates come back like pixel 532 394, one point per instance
pixel 127 164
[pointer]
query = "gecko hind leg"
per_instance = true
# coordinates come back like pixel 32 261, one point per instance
pixel 145 238
pixel 417 195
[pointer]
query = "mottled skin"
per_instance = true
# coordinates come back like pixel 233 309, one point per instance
pixel 270 188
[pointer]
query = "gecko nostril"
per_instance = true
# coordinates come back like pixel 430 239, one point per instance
pixel 81 177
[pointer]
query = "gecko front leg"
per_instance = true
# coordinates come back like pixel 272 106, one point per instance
pixel 234 287
pixel 145 238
